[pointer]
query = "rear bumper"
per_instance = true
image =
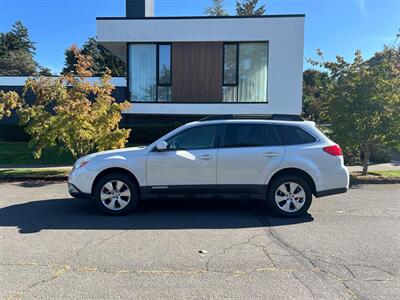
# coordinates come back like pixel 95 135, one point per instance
pixel 330 192
pixel 76 193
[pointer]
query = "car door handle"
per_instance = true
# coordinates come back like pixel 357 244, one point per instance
pixel 271 154
pixel 206 157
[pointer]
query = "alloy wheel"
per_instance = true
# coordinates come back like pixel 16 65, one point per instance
pixel 115 195
pixel 290 197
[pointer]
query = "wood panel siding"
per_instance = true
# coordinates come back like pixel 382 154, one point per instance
pixel 197 72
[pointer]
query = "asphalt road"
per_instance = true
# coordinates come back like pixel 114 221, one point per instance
pixel 55 247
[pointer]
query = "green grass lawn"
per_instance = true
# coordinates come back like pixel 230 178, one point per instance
pixel 392 173
pixel 19 153
pixel 34 173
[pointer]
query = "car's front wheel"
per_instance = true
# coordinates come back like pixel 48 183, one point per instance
pixel 289 196
pixel 116 194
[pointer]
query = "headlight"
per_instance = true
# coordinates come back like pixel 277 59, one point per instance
pixel 80 163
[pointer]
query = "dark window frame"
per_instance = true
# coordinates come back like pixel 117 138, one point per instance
pixel 158 84
pixel 237 43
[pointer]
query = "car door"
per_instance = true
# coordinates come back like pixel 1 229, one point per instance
pixel 190 159
pixel 249 152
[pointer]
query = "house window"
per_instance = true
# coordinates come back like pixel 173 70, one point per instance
pixel 230 64
pixel 164 73
pixel 150 72
pixel 245 72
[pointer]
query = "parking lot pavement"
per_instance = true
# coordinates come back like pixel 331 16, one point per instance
pixel 52 246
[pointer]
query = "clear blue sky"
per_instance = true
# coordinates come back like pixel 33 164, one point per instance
pixel 334 26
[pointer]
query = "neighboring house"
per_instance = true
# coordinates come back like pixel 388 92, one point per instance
pixel 207 65
pixel 16 84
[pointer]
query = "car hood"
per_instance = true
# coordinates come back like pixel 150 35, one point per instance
pixel 117 152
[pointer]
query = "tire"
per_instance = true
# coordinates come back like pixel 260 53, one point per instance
pixel 116 194
pixel 284 202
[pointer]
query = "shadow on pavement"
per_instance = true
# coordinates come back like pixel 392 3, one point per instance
pixel 164 213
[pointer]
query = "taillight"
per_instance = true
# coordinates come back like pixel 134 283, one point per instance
pixel 334 150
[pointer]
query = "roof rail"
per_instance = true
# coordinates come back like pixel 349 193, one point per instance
pixel 279 117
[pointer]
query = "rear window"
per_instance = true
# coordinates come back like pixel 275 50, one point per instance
pixel 293 135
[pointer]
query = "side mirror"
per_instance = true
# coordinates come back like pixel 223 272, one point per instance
pixel 162 146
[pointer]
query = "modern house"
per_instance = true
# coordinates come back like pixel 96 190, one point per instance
pixel 207 65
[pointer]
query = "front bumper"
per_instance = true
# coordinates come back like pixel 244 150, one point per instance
pixel 76 193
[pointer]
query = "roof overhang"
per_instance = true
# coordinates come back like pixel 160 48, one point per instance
pixel 115 33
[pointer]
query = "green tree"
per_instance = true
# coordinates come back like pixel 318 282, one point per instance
pixel 16 52
pixel 17 63
pixel 62 114
pixel 17 39
pixel 102 59
pixel 363 101
pixel 249 8
pixel 43 71
pixel 216 9
pixel 314 106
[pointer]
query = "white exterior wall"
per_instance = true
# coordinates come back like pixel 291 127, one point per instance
pixel 285 68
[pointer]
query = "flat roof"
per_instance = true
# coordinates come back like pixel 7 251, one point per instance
pixel 204 17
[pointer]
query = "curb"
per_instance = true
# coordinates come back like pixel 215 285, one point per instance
pixel 381 180
pixel 39 178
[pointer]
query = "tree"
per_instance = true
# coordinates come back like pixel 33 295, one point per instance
pixel 363 100
pixel 16 52
pixel 249 8
pixel 216 9
pixel 314 105
pixel 8 102
pixel 17 63
pixel 101 60
pixel 62 114
pixel 17 39
pixel 43 71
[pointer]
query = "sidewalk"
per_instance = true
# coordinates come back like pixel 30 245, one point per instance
pixel 48 167
pixel 394 165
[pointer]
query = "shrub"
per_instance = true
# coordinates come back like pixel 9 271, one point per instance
pixel 13 133
pixel 380 154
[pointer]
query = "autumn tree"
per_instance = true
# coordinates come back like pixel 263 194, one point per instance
pixel 249 8
pixel 216 9
pixel 8 102
pixel 363 100
pixel 62 114
pixel 102 59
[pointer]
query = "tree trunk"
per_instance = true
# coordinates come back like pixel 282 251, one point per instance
pixel 365 160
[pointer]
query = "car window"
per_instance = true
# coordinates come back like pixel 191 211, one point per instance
pixel 201 137
pixel 293 135
pixel 244 135
pixel 271 138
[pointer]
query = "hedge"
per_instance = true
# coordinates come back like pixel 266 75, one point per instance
pixel 13 133
pixel 140 134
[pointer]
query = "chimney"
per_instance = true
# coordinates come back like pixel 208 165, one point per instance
pixel 139 8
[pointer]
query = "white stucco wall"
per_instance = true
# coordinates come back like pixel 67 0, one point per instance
pixel 284 34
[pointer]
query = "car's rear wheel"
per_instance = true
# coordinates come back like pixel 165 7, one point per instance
pixel 116 194
pixel 289 196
